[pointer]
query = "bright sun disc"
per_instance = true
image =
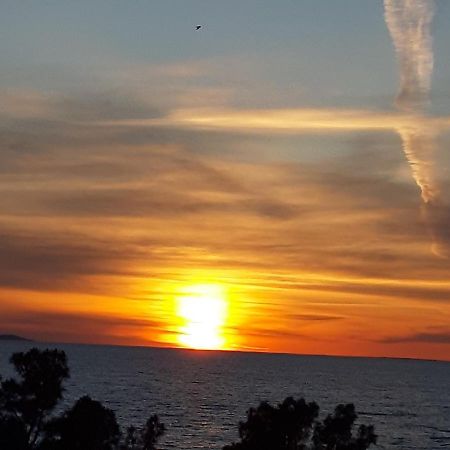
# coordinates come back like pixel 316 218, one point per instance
pixel 203 309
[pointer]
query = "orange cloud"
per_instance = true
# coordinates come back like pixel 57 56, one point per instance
pixel 100 223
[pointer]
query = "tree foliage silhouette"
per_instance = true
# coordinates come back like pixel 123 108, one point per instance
pixel 146 438
pixel 336 431
pixel 285 427
pixel 293 425
pixel 28 422
pixel 88 425
pixel 25 405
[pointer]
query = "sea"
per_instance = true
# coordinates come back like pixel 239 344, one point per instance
pixel 202 395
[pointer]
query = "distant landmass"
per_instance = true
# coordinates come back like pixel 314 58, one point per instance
pixel 13 337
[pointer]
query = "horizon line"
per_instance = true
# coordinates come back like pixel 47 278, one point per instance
pixel 202 351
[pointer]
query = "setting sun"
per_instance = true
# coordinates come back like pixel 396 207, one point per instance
pixel 203 310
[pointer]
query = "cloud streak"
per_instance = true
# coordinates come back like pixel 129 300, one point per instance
pixel 81 327
pixel 429 337
pixel 123 201
pixel 287 121
pixel 409 23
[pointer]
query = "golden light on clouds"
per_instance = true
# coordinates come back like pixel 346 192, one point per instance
pixel 290 121
pixel 203 310
pixel 217 203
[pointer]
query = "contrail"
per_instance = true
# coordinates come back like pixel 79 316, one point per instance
pixel 419 147
pixel 409 23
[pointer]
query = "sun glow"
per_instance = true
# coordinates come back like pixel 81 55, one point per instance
pixel 203 310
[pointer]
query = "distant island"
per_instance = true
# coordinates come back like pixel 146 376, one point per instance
pixel 13 337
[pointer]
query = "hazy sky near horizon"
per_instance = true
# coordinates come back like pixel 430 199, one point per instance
pixel 261 162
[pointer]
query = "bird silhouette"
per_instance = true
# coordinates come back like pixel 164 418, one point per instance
pixel 198 27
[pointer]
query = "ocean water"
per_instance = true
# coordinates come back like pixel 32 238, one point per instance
pixel 201 396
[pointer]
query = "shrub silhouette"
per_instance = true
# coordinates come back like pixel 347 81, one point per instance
pixel 13 435
pixel 28 422
pixel 285 427
pixel 335 432
pixel 293 425
pixel 88 425
pixel 25 405
pixel 146 438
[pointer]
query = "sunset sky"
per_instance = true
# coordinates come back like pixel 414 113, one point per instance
pixel 276 181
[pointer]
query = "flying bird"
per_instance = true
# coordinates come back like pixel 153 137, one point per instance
pixel 198 27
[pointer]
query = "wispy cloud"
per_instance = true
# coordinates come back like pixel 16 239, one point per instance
pixel 409 23
pixel 78 327
pixel 295 121
pixel 109 204
pixel 429 337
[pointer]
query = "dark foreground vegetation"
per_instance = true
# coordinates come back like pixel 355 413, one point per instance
pixel 28 420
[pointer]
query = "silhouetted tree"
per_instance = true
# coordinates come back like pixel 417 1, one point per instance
pixel 13 435
pixel 146 438
pixel 25 404
pixel 152 431
pixel 290 425
pixel 88 425
pixel 285 427
pixel 336 431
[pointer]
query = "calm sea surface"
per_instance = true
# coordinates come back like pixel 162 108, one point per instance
pixel 201 396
